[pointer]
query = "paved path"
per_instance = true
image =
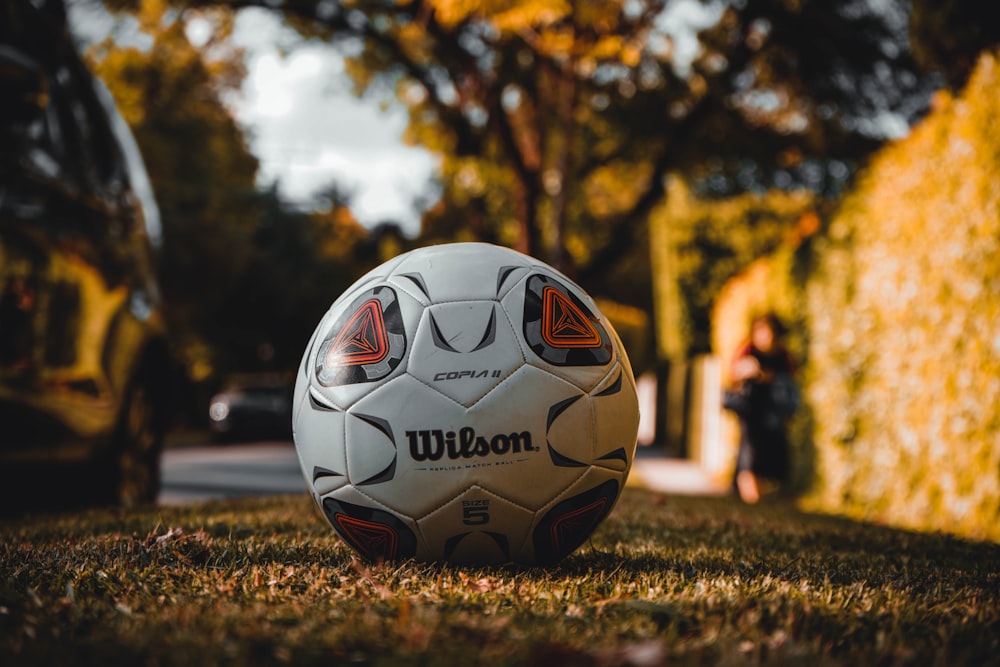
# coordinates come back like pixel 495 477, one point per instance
pixel 196 473
pixel 192 474
pixel 674 476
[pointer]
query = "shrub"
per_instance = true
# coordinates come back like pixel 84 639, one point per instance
pixel 902 313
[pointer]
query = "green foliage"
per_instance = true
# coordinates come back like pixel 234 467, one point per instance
pixel 299 263
pixel 634 328
pixel 903 304
pixel 557 122
pixel 245 277
pixel 698 245
pixel 202 170
pixel 678 581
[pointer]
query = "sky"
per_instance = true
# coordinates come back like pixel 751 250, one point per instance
pixel 308 129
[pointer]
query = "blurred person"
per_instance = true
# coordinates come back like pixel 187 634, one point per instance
pixel 763 396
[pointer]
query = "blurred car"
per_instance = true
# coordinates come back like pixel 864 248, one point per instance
pixel 84 364
pixel 252 407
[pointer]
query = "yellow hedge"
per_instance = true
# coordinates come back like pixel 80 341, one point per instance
pixel 903 322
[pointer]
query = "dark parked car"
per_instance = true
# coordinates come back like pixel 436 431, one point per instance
pixel 84 366
pixel 253 406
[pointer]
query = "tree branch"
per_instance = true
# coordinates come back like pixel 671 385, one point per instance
pixel 628 223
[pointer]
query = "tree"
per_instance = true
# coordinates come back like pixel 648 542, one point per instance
pixel 299 262
pixel 949 35
pixel 202 171
pixel 557 121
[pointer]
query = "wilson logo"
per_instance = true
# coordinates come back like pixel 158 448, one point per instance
pixel 433 444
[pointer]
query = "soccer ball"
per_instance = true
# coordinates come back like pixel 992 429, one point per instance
pixel 465 403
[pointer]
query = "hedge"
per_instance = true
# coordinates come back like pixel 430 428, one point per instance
pixel 902 318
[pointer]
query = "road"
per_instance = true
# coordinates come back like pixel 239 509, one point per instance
pixel 208 472
pixel 203 471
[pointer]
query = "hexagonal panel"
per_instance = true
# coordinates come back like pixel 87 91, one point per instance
pixel 477 527
pixel 616 419
pixel 570 432
pixel 521 408
pixel 370 447
pixel 415 413
pixel 456 271
pixel 464 349
pixel 319 442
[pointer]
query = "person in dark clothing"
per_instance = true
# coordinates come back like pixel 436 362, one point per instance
pixel 766 397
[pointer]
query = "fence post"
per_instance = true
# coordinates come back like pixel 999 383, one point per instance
pixel 705 445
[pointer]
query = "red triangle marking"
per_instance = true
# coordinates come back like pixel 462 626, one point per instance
pixel 375 540
pixel 564 325
pixel 363 340
pixel 568 529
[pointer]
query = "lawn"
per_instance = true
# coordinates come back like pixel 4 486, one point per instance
pixel 665 580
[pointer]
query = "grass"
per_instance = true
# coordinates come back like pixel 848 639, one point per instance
pixel 665 580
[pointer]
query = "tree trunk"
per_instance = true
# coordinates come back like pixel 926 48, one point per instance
pixel 563 166
pixel 528 192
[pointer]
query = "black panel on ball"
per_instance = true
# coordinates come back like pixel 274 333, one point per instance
pixel 560 328
pixel 568 525
pixel 366 343
pixel 375 534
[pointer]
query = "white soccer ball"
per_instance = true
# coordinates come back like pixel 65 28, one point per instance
pixel 467 403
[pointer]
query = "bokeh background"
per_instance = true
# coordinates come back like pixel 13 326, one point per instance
pixel 689 163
